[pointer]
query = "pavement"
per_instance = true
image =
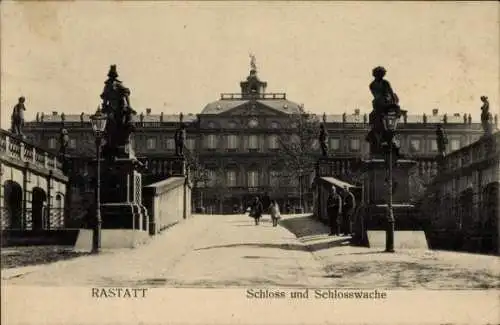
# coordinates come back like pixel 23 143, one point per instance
pixel 230 251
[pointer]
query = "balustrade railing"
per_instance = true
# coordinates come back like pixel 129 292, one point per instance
pixel 14 147
pixel 478 151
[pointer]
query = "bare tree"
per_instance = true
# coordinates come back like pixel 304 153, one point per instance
pixel 298 149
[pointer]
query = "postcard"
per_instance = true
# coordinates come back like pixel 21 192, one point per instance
pixel 233 162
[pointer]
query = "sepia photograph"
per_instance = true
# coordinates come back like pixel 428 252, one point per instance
pixel 250 162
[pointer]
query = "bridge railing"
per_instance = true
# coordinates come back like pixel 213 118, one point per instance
pixel 167 202
pixel 14 147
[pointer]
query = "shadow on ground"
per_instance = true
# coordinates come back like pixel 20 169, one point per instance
pixel 34 255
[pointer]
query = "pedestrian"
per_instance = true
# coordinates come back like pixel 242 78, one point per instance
pixel 347 211
pixel 334 208
pixel 275 212
pixel 256 211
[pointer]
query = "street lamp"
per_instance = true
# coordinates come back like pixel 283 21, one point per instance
pixel 98 121
pixel 390 123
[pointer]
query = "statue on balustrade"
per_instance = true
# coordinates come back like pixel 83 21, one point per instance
pixel 384 101
pixel 180 139
pixel 486 116
pixel 63 145
pixel 442 140
pixel 17 117
pixel 323 138
pixel 63 141
pixel 116 104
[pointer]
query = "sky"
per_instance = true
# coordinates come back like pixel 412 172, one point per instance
pixel 179 56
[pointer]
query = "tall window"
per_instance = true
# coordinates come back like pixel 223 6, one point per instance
pixel 211 141
pixel 151 143
pixel 253 142
pixel 355 144
pixel 52 143
pixel 454 144
pixel 232 142
pixel 334 144
pixel 211 177
pixel 231 178
pixel 72 143
pixel 273 142
pixel 274 180
pixel 170 144
pixel 434 145
pixel 315 144
pixel 415 145
pixel 190 143
pixel 252 178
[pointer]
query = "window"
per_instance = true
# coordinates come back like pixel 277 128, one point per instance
pixel 454 144
pixel 151 143
pixel 273 142
pixel 415 145
pixel 190 144
pixel 72 143
pixel 232 142
pixel 434 145
pixel 355 144
pixel 170 143
pixel 253 142
pixel 253 178
pixel 52 143
pixel 211 141
pixel 231 178
pixel 334 144
pixel 315 144
pixel 211 177
pixel 275 125
pixel 274 180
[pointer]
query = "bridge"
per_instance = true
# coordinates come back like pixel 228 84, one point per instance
pixel 33 191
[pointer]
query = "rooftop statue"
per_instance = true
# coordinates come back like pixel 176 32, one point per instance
pixel 253 64
pixel 17 117
pixel 486 117
pixel 116 104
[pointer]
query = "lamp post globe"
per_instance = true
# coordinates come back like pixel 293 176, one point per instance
pixel 98 121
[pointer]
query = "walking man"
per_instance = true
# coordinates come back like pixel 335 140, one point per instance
pixel 257 210
pixel 334 208
pixel 347 211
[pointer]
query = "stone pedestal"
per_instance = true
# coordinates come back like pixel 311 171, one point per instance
pixel 375 197
pixel 375 182
pixel 121 196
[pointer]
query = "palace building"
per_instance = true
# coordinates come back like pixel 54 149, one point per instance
pixel 238 140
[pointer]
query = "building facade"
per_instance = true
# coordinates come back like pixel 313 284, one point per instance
pixel 239 140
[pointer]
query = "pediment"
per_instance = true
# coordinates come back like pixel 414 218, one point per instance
pixel 252 109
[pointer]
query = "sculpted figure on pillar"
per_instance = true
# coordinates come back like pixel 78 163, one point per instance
pixel 441 139
pixel 486 118
pixel 384 101
pixel 116 104
pixel 17 117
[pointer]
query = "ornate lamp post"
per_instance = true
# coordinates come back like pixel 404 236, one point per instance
pixel 390 123
pixel 98 125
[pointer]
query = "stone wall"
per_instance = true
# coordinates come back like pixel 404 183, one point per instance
pixel 167 202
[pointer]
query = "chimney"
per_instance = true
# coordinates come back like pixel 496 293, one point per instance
pixel 148 111
pixel 435 112
pixel 161 117
pixel 356 111
pixel 54 113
